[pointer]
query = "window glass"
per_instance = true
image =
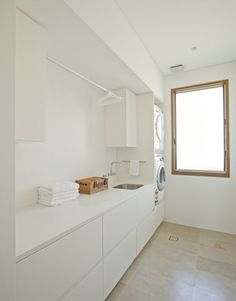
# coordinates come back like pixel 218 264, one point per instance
pixel 199 129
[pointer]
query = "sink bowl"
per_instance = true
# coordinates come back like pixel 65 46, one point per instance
pixel 128 186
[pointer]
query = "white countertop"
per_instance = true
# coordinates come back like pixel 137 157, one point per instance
pixel 38 226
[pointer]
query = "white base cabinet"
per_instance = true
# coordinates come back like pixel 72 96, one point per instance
pixel 159 214
pixel 117 262
pixel 145 203
pixel 86 264
pixel 90 288
pixel 146 229
pixel 144 232
pixel 49 273
pixel 118 223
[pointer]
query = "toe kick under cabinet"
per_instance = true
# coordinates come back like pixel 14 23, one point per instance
pixel 86 264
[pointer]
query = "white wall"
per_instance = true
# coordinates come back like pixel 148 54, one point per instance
pixel 74 145
pixel 145 144
pixel 7 115
pixel 205 202
pixel 106 19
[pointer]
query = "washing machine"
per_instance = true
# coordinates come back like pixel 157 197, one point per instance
pixel 158 130
pixel 160 178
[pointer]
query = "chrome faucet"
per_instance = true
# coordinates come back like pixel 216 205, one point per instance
pixel 111 173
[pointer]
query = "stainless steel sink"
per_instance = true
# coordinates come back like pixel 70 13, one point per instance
pixel 128 186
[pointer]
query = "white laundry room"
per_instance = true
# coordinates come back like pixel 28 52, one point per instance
pixel 117 152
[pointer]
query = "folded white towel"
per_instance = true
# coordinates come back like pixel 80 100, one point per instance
pixel 57 193
pixel 60 187
pixel 60 199
pixel 49 194
pixel 134 168
pixel 56 201
pixel 50 204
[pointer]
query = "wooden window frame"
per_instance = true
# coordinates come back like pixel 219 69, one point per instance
pixel 226 172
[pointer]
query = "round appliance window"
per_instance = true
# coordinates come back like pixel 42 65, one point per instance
pixel 159 126
pixel 161 178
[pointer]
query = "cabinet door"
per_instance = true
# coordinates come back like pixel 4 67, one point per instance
pixel 118 223
pixel 159 214
pixel 146 229
pixel 49 273
pixel 90 288
pixel 117 262
pixel 145 202
pixel 31 49
pixel 131 119
pixel 120 121
pixel 115 125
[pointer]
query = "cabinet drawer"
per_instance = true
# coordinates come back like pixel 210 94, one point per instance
pixel 149 225
pixel 145 231
pixel 49 273
pixel 118 223
pixel 90 288
pixel 159 214
pixel 145 202
pixel 117 262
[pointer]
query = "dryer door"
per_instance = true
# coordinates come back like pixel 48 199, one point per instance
pixel 159 126
pixel 161 177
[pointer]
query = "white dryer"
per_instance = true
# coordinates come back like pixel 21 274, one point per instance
pixel 158 130
pixel 160 177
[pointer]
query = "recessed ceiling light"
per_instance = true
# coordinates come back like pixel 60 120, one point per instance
pixel 194 48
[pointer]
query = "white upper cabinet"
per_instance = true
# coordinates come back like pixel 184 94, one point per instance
pixel 120 121
pixel 31 56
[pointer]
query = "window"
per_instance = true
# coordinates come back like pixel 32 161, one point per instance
pixel 200 130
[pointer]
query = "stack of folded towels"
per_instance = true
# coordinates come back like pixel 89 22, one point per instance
pixel 57 193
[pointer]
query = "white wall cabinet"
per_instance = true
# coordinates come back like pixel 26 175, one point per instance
pixel 120 121
pixel 31 56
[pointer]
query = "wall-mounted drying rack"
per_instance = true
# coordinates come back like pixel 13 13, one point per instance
pixel 107 99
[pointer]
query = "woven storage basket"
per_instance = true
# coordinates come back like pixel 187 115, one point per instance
pixel 92 185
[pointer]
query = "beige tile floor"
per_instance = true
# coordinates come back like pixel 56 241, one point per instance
pixel 200 266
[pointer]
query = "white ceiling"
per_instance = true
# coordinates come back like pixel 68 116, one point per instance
pixel 71 42
pixel 170 28
pixel 167 28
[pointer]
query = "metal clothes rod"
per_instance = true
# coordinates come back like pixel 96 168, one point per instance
pixel 128 161
pixel 76 73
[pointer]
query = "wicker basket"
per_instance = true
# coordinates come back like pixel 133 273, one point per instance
pixel 92 185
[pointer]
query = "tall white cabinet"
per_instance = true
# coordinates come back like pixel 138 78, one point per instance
pixel 30 90
pixel 120 121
